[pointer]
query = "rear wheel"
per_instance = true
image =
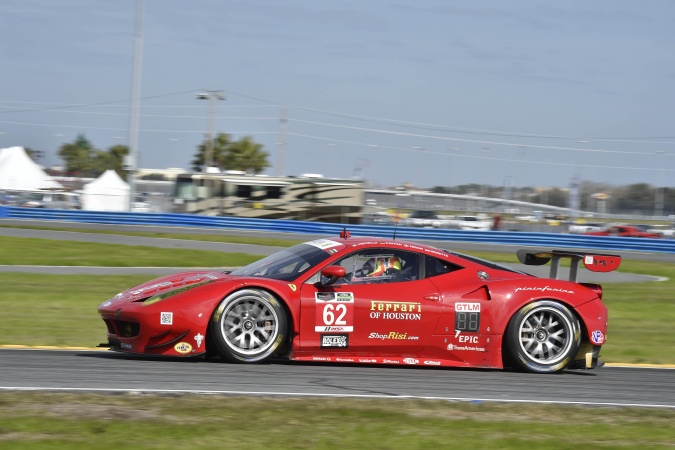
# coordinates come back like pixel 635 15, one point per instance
pixel 543 337
pixel 248 326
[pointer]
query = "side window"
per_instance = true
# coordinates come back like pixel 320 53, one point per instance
pixel 434 267
pixel 380 266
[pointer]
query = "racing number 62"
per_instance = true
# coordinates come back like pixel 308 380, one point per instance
pixel 334 316
pixel 329 316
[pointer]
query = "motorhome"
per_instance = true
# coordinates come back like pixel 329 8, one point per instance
pixel 305 197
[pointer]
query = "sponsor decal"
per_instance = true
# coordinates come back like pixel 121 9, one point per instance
pixel 344 360
pixel 199 338
pixel 432 363
pixel 412 361
pixel 464 339
pixel 544 289
pixel 334 341
pixel 382 309
pixel 401 245
pixel 320 358
pixel 395 335
pixel 152 287
pixel 387 306
pixel 324 244
pixel 334 312
pixel 183 347
pixel 367 360
pixel 597 337
pixel 166 318
pixel 588 259
pixel 334 329
pixel 293 287
pixel 455 348
pixel 391 361
pixel 467 307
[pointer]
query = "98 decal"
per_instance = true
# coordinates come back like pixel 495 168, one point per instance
pixel 334 312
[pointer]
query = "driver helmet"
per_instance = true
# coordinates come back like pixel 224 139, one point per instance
pixel 376 267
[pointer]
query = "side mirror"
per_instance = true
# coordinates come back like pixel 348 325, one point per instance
pixel 332 273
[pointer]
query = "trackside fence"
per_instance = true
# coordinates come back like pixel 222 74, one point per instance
pixel 530 239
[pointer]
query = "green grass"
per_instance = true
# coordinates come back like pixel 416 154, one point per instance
pixel 45 252
pixel 188 236
pixel 34 421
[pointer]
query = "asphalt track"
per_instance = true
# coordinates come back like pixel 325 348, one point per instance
pixel 98 371
pixel 87 370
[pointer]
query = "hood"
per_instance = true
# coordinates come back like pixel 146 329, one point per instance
pixel 170 283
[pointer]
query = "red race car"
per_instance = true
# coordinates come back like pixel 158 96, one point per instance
pixel 624 231
pixel 372 301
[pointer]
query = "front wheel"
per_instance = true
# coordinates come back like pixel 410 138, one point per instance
pixel 543 337
pixel 248 326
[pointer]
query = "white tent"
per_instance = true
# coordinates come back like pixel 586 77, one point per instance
pixel 106 193
pixel 20 173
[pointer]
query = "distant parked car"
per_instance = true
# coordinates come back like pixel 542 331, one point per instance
pixel 426 219
pixel 586 227
pixel 663 230
pixel 49 199
pixel 623 231
pixel 471 223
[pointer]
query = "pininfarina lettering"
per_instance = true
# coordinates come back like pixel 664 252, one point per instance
pixel 543 289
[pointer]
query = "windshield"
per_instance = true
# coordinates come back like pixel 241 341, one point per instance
pixel 285 265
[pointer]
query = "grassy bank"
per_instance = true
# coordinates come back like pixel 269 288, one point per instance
pixel 68 421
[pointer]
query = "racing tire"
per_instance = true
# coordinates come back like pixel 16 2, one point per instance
pixel 543 337
pixel 248 326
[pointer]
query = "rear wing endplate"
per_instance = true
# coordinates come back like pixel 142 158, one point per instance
pixel 595 262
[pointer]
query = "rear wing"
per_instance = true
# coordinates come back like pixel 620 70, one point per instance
pixel 595 262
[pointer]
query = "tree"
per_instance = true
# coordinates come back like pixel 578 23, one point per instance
pixel 112 159
pixel 244 154
pixel 78 156
pixel 81 158
pixel 220 144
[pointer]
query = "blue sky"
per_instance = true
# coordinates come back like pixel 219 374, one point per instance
pixel 429 92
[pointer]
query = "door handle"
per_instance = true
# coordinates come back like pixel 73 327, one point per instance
pixel 432 297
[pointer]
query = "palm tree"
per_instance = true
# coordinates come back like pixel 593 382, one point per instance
pixel 220 145
pixel 246 155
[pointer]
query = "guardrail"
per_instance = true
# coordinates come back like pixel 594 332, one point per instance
pixel 520 238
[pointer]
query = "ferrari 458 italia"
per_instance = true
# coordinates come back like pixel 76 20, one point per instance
pixel 371 301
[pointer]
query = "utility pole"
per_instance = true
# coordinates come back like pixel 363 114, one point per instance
pixel 211 96
pixel 131 163
pixel 281 143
